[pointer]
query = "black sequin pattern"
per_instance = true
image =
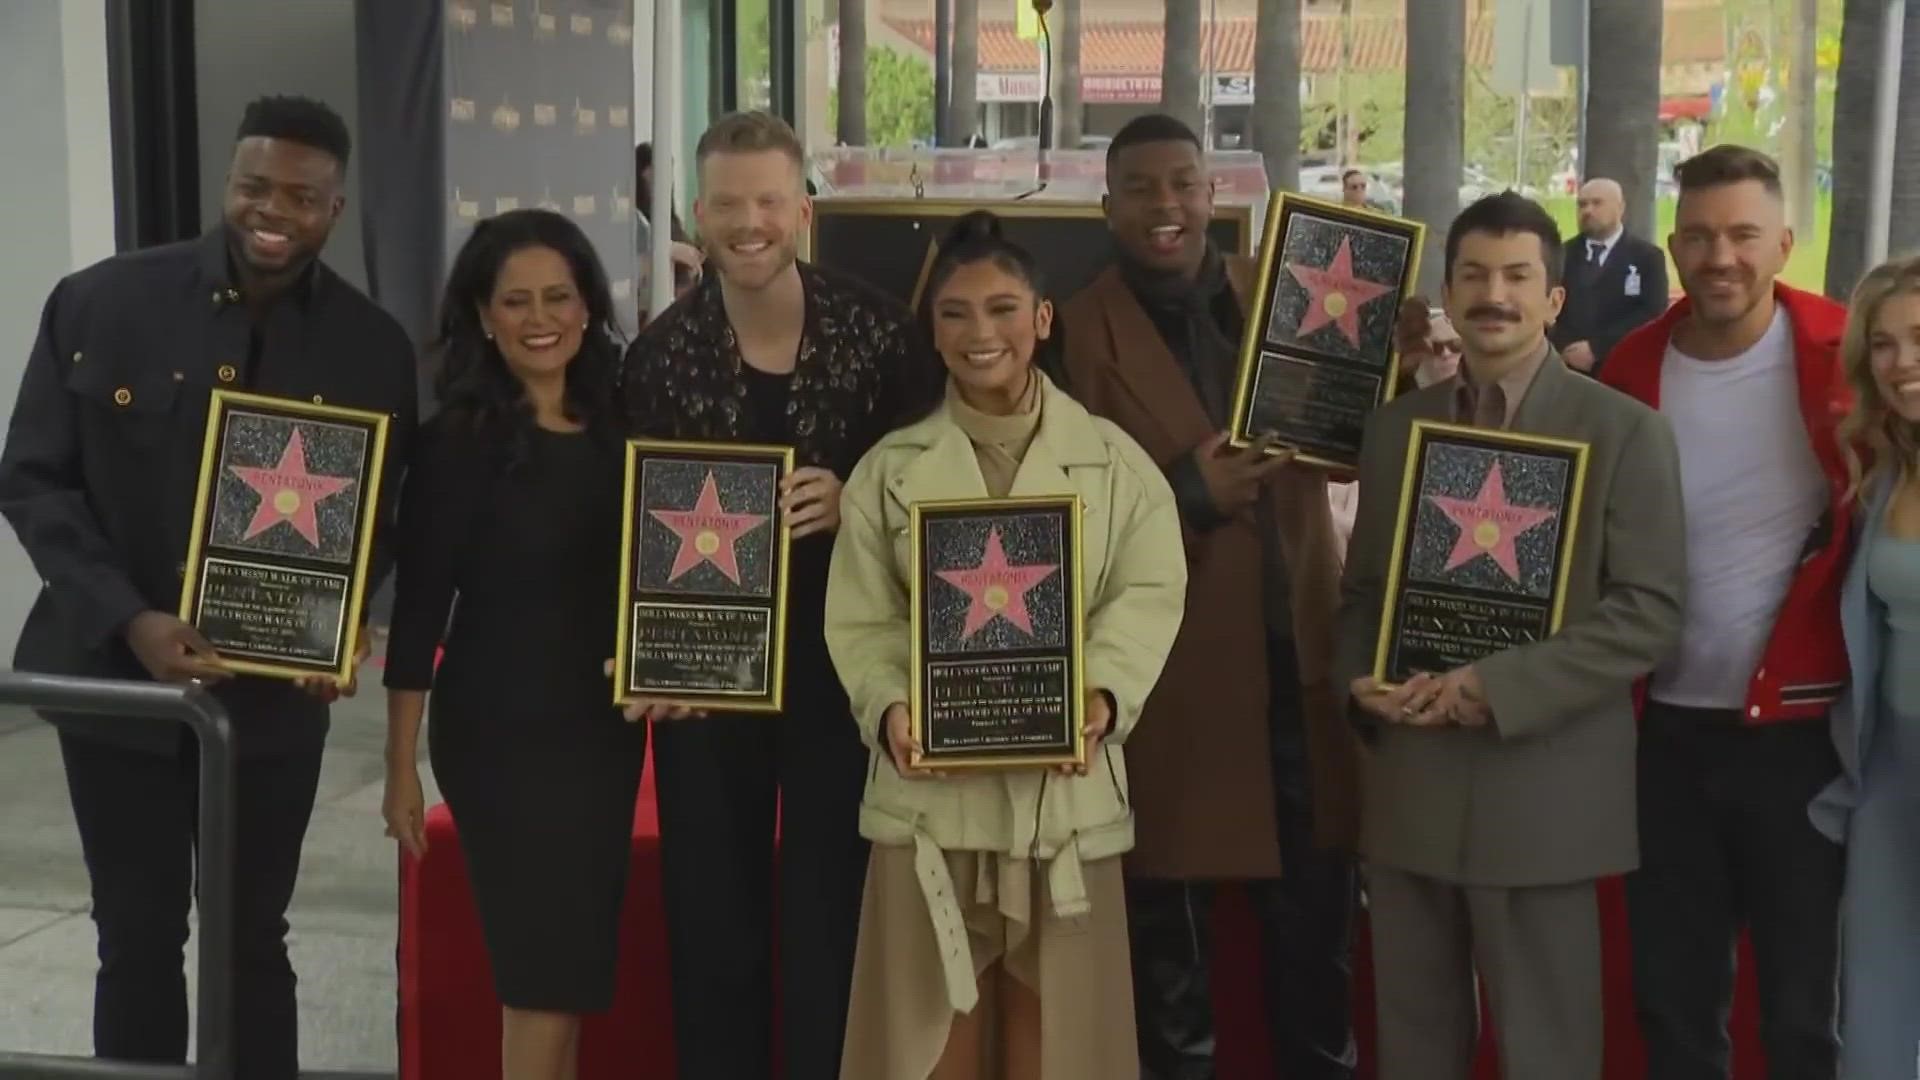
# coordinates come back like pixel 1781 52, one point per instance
pixel 682 379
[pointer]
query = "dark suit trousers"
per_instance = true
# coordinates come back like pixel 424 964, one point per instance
pixel 1725 842
pixel 1538 950
pixel 138 816
pixel 1306 940
pixel 720 780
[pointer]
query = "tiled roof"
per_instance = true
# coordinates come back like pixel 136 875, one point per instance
pixel 1693 35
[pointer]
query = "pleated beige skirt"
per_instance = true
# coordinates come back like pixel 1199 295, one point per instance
pixel 1079 967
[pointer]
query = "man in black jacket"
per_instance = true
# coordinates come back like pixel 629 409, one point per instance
pixel 1616 282
pixel 98 479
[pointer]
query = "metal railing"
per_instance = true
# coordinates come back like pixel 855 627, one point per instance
pixel 197 709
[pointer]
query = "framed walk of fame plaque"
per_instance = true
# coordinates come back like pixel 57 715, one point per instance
pixel 997 633
pixel 1318 354
pixel 282 530
pixel 703 576
pixel 1486 528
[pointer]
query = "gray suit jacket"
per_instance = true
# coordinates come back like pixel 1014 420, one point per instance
pixel 1545 795
pixel 1863 620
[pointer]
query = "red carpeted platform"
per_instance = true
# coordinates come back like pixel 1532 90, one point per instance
pixel 450 1021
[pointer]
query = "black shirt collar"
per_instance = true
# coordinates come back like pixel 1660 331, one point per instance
pixel 215 264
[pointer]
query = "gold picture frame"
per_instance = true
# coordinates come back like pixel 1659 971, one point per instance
pixel 1070 747
pixel 635 597
pixel 1507 618
pixel 249 569
pixel 1372 378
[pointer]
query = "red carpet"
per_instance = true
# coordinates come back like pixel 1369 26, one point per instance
pixel 450 1021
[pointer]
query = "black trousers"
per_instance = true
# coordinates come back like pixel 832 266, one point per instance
pixel 1306 937
pixel 719 781
pixel 138 819
pixel 1725 843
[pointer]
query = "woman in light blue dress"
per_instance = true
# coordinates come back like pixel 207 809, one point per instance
pixel 1874 807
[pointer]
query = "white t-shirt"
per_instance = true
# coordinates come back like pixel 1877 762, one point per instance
pixel 1754 491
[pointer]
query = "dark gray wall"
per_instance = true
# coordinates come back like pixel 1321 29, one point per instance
pixel 56 201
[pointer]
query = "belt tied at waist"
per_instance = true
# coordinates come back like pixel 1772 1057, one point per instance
pixel 1066 892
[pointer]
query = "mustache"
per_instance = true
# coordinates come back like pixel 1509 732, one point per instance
pixel 1492 311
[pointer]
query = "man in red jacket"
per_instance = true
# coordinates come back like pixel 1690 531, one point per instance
pixel 1733 743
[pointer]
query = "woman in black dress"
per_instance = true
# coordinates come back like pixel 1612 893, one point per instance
pixel 512 508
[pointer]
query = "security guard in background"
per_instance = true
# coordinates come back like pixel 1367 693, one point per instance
pixel 1616 282
pixel 98 478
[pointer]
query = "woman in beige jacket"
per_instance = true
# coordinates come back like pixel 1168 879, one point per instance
pixel 993 935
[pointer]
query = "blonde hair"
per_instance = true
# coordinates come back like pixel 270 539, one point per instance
pixel 1890 441
pixel 749 133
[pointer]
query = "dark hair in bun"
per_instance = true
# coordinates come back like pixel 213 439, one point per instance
pixel 976 237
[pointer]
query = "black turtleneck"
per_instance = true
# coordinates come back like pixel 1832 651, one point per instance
pixel 1200 320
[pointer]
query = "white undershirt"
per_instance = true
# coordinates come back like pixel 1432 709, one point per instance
pixel 1753 490
pixel 1598 249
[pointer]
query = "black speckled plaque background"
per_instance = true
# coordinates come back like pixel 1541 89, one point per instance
pixel 1481 556
pixel 330 452
pixel 1379 257
pixel 1029 541
pixel 669 485
pixel 281 537
pixel 997 645
pixel 1315 389
pixel 704 586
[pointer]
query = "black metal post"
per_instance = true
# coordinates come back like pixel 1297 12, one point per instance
pixel 196 708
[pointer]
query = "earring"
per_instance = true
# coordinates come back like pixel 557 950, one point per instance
pixel 489 334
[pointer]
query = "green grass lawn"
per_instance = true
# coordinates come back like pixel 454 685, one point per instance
pixel 1807 269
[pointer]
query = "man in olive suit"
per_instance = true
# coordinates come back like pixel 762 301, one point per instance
pixel 1496 794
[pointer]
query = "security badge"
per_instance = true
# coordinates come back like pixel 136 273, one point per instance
pixel 1633 280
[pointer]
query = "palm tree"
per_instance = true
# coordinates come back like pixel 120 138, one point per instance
pixel 1623 102
pixel 1068 113
pixel 853 72
pixel 1853 136
pixel 1180 63
pixel 1799 143
pixel 963 109
pixel 1276 91
pixel 1435 122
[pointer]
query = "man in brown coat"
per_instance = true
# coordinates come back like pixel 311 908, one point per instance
pixel 1495 794
pixel 1241 768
